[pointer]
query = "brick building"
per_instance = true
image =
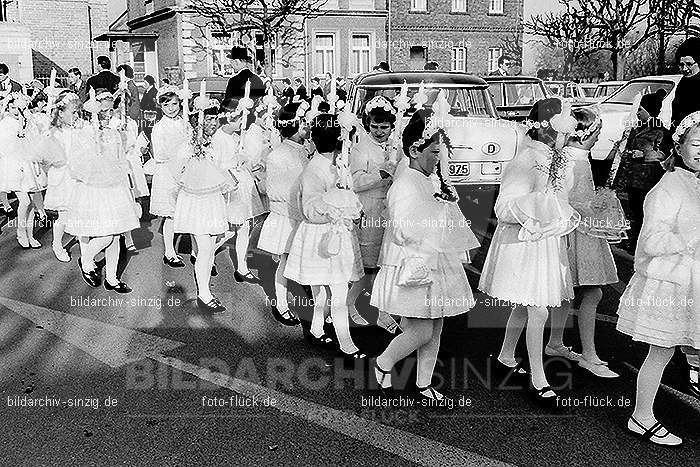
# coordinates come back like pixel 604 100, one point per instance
pixel 461 35
pixel 61 32
pixel 165 39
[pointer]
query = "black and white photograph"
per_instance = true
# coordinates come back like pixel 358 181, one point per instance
pixel 350 233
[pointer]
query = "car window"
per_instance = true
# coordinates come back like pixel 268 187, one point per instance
pixel 626 94
pixel 523 93
pixel 464 102
pixel 496 90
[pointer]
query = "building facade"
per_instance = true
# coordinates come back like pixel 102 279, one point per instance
pixel 40 34
pixel 166 39
pixel 460 35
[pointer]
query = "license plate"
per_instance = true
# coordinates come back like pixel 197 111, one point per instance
pixel 490 168
pixel 459 169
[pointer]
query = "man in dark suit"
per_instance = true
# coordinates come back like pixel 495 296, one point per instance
pixel 76 84
pixel 301 90
pixel 505 63
pixel 287 92
pixel 105 79
pixel 6 84
pixel 241 62
pixel 316 89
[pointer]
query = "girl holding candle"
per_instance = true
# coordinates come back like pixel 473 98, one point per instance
pixel 169 135
pixel 201 208
pixel 64 116
pixel 421 257
pixel 527 263
pixel 97 165
pixel 245 203
pixel 285 165
pixel 659 306
pixel 17 163
pixel 325 253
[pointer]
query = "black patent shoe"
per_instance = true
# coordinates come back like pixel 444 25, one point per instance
pixel 91 278
pixel 121 287
pixel 324 341
pixel 175 262
pixel 214 306
pixel 508 375
pixel 545 397
pixel 693 387
pixel 248 277
pixel 286 318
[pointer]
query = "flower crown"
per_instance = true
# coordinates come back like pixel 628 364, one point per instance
pixel 201 104
pixel 379 102
pixel 686 124
pixel 67 97
pixel 170 89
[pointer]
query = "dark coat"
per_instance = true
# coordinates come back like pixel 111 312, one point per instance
pixel 236 85
pixel 287 95
pixel 81 91
pixel 644 172
pixel 686 99
pixel 148 101
pixel 301 92
pixel 104 79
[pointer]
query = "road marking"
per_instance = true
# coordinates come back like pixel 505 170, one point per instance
pixel 687 398
pixel 112 345
pixel 408 446
pixel 116 346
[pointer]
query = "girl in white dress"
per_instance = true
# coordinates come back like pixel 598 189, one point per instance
pixel 325 253
pixel 40 120
pixel 421 276
pixel 169 135
pixel 60 184
pixel 244 204
pixel 18 161
pixel 660 304
pixel 590 258
pixel 372 177
pixel 284 166
pixel 101 207
pixel 200 208
pixel 527 264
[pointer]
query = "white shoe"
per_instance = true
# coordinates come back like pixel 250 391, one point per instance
pixel 657 434
pixel 597 369
pixel 564 352
pixel 61 254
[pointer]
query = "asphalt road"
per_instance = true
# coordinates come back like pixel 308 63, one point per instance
pixel 148 380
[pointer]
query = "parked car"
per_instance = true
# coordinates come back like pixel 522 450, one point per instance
pixel 216 86
pixel 568 90
pixel 615 108
pixel 482 142
pixel 514 96
pixel 607 88
pixel 588 90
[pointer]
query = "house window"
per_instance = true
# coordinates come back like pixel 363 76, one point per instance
pixel 361 53
pixel 496 7
pixel 150 7
pixel 138 60
pixel 419 5
pixel 459 59
pixel 418 52
pixel 324 55
pixel 361 5
pixel 260 51
pixel 459 6
pixel 494 54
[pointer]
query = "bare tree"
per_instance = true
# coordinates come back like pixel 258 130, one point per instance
pixel 570 32
pixel 278 21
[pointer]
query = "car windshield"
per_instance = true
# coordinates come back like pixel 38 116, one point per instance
pixel 556 89
pixel 627 93
pixel 464 102
pixel 606 90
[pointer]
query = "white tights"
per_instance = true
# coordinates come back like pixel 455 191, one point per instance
pixel 90 247
pixel 339 314
pixel 535 318
pixel 202 267
pixel 421 335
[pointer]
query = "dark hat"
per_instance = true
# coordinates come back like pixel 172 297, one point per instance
pixel 652 102
pixel 239 53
